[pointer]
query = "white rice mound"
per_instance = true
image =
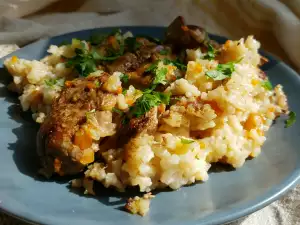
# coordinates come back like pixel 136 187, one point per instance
pixel 229 117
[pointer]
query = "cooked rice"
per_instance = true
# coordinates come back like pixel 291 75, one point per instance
pixel 230 121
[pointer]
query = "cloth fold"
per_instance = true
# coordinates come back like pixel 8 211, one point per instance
pixel 275 23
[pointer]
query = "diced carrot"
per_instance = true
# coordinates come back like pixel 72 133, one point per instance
pixel 215 107
pixel 14 59
pixel 129 102
pixel 91 85
pixel 119 90
pixel 202 144
pixel 82 139
pixel 87 157
pixel 271 109
pixel 68 83
pixel 227 44
pixel 113 41
pixel 250 122
pixel 185 28
pixel 57 165
pixel 198 68
pixel 253 121
pixel 254 82
pixel 161 108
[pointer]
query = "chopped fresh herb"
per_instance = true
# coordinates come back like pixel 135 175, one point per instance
pixel 186 141
pixel 63 43
pixel 124 78
pixel 176 63
pixel 152 39
pixel 83 62
pixel 89 114
pixel 52 82
pixel 117 111
pixel 97 83
pixel 267 85
pixel 160 76
pixel 152 67
pixel 111 54
pixel 164 51
pixel 125 120
pixel 124 91
pixel 222 71
pixel 291 120
pixel 97 56
pixel 147 101
pixel 211 52
pixel 97 39
pixel 132 44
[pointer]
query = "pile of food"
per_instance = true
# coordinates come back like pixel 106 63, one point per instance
pixel 128 110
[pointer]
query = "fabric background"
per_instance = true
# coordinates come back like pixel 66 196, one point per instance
pixel 276 24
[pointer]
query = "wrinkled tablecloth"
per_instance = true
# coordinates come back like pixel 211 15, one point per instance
pixel 275 23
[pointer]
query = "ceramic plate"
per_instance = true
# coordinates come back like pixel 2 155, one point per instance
pixel 226 196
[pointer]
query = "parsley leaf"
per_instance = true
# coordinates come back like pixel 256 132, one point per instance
pixel 176 63
pixel 124 78
pixel 117 111
pixel 132 44
pixel 97 83
pixel 147 101
pixel 186 141
pixel 152 67
pixel 160 76
pixel 164 51
pixel 63 43
pixel 97 39
pixel 83 62
pixel 51 82
pixel 267 85
pixel 291 120
pixel 222 71
pixel 211 52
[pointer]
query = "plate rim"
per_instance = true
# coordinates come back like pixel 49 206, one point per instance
pixel 273 194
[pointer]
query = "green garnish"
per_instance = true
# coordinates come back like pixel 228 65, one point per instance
pixel 186 141
pixel 267 85
pixel 97 39
pixel 164 51
pixel 97 83
pixel 117 111
pixel 83 62
pixel 291 120
pixel 211 52
pixel 147 101
pixel 176 63
pixel 160 76
pixel 63 43
pixel 124 91
pixel 89 114
pixel 124 78
pixel 132 44
pixel 52 82
pixel 152 67
pixel 222 71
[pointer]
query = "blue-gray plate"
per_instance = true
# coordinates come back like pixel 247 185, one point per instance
pixel 226 196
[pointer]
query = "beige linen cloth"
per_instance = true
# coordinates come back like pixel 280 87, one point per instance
pixel 275 23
